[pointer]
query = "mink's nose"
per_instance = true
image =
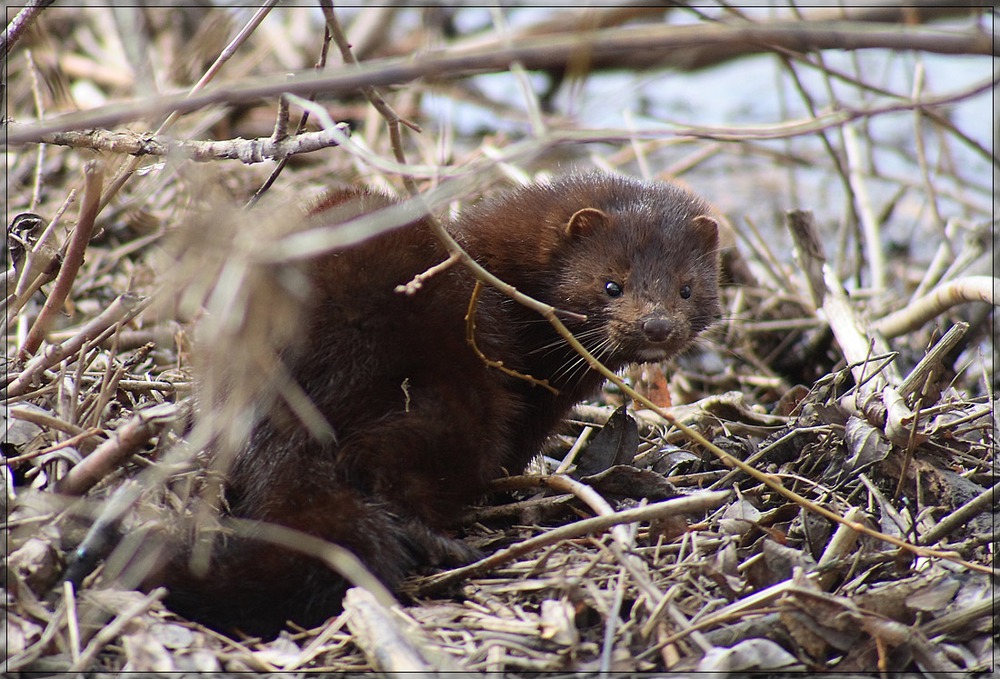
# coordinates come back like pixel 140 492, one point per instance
pixel 657 329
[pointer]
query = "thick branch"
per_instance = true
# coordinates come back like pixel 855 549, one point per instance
pixel 918 312
pixel 128 439
pixel 633 47
pixel 901 11
pixel 248 151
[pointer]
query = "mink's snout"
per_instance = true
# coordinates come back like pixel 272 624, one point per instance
pixel 657 328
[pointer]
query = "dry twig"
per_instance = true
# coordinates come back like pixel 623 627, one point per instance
pixel 93 177
pixel 125 306
pixel 20 23
pixel 125 442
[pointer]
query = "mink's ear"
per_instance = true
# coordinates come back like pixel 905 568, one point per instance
pixel 584 221
pixel 705 230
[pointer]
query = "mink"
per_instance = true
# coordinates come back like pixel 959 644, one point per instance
pixel 420 422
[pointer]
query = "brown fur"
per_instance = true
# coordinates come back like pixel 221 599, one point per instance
pixel 404 461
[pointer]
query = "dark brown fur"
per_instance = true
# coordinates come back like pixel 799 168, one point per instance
pixel 407 458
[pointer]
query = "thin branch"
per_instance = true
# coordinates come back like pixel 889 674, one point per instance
pixel 36 94
pixel 885 12
pixel 813 125
pixel 20 23
pixel 920 147
pixel 623 539
pixel 392 119
pixel 870 230
pixel 697 503
pixel 470 337
pixel 71 442
pixel 303 120
pixel 43 419
pixel 93 178
pixel 125 306
pixel 228 51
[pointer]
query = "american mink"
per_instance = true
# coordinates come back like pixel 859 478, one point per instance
pixel 421 423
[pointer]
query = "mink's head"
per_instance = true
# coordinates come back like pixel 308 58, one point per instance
pixel 639 259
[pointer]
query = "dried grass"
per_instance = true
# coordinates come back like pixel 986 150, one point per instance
pixel 102 431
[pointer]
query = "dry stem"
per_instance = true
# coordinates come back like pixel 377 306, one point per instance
pixel 20 23
pixel 470 337
pixel 692 504
pixel 125 306
pixel 93 173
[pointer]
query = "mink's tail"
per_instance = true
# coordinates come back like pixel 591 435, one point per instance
pixel 256 587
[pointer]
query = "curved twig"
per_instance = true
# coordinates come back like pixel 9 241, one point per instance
pixel 952 293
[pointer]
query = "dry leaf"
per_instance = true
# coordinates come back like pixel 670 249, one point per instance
pixel 558 622
pixel 752 654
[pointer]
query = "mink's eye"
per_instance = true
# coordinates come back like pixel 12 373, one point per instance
pixel 685 291
pixel 613 289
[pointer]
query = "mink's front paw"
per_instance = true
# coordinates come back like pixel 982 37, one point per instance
pixel 437 549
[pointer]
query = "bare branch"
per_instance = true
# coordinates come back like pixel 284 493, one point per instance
pixel 248 151
pixel 93 178
pixel 130 166
pixel 693 504
pixel 392 119
pixel 632 47
pixel 20 23
pixel 918 312
pixel 126 440
pixel 123 307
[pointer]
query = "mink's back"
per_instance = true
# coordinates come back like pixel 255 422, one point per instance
pixel 393 374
